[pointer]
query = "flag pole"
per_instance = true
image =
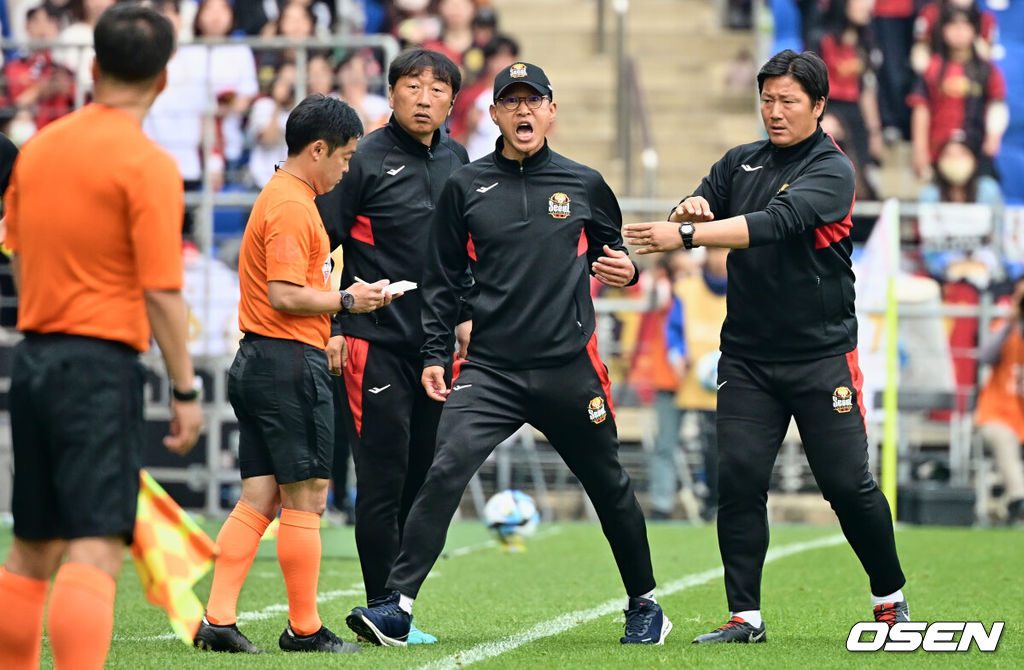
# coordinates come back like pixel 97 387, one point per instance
pixel 891 213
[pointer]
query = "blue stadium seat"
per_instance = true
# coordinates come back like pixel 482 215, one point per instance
pixel 1011 157
pixel 786 17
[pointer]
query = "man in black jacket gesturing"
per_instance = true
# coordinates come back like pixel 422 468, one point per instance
pixel 532 226
pixel 789 341
pixel 381 213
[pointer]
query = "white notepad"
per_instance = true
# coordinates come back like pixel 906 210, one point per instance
pixel 403 286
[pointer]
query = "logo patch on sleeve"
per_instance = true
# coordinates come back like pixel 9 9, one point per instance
pixel 558 206
pixel 842 400
pixel 596 410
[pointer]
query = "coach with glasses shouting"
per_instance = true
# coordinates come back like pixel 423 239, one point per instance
pixel 532 226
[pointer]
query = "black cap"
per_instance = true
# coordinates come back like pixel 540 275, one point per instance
pixel 523 73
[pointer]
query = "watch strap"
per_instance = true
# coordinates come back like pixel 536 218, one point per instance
pixel 185 396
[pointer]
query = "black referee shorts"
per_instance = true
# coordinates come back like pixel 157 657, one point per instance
pixel 77 428
pixel 281 393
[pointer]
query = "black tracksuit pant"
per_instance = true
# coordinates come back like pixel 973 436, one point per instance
pixel 569 404
pixel 392 424
pixel 755 403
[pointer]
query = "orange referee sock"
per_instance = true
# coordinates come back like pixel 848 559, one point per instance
pixel 81 617
pixel 22 600
pixel 298 552
pixel 239 538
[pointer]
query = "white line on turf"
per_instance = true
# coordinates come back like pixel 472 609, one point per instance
pixel 566 621
pixel 355 589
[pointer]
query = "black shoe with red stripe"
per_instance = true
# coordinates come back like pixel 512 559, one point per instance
pixel 892 613
pixel 735 630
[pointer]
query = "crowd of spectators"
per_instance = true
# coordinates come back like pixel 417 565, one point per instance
pixel 248 88
pixel 909 71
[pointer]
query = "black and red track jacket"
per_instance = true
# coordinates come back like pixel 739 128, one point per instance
pixel 790 294
pixel 381 213
pixel 530 233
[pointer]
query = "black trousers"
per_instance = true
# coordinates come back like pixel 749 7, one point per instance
pixel 392 427
pixel 755 403
pixel 894 36
pixel 569 404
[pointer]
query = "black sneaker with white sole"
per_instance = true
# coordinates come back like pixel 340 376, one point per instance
pixel 645 623
pixel 384 623
pixel 735 630
pixel 323 640
pixel 223 638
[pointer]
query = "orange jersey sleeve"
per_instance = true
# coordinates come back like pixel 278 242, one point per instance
pixel 156 212
pixel 290 239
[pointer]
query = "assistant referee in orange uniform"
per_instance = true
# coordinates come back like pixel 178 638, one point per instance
pixel 97 267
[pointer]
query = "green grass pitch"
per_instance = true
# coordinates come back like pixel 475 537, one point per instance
pixel 558 605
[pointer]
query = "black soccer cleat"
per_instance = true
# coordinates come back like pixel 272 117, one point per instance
pixel 892 613
pixel 384 623
pixel 223 638
pixel 645 623
pixel 735 630
pixel 323 641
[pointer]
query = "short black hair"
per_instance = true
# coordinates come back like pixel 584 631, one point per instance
pixel 133 42
pixel 50 11
pixel 499 43
pixel 320 117
pixel 414 61
pixel 807 68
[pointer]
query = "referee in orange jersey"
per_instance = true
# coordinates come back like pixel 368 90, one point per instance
pixel 97 268
pixel 279 384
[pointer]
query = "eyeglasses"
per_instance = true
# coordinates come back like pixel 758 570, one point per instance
pixel 511 102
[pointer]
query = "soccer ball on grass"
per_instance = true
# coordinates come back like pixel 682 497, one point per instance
pixel 511 516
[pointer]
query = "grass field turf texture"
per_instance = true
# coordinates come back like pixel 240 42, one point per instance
pixel 558 605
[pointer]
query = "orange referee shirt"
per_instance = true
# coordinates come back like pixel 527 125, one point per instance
pixel 285 240
pixel 94 212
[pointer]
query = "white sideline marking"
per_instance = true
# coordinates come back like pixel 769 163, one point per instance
pixel 566 621
pixel 355 589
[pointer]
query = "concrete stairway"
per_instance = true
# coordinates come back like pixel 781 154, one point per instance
pixel 681 54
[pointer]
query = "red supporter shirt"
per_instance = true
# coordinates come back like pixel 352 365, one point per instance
pixel 955 100
pixel 845 69
pixel 894 9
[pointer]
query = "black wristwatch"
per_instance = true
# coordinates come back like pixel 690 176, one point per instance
pixel 686 232
pixel 348 301
pixel 192 394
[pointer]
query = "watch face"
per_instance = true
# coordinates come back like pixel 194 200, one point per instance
pixel 347 300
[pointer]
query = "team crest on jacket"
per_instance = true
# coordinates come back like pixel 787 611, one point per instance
pixel 842 400
pixel 596 410
pixel 558 206
pixel 517 71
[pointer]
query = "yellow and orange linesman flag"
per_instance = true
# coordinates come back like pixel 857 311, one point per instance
pixel 171 553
